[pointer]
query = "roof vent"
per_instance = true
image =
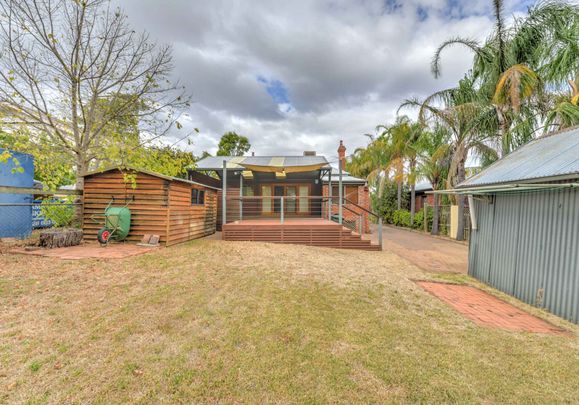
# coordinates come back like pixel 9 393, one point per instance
pixel 310 153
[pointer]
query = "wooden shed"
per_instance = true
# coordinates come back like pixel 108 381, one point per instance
pixel 176 209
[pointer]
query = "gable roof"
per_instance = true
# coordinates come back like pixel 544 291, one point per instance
pixel 241 162
pixel 154 174
pixel 553 156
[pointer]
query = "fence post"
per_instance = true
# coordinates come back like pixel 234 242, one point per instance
pixel 224 195
pixel 330 195
pixel 425 217
pixel 281 209
pixel 240 197
pixel 380 232
pixel 340 193
pixel 360 223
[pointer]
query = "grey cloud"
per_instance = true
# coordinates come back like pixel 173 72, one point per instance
pixel 347 65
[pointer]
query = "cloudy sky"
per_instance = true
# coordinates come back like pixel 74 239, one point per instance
pixel 302 74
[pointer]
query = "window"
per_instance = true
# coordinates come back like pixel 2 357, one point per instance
pixel 248 191
pixel 350 193
pixel 197 197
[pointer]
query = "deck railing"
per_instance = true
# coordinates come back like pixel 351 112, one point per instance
pixel 281 208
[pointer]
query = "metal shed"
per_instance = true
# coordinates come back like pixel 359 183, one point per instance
pixel 525 239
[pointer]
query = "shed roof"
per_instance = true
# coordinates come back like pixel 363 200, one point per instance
pixel 553 156
pixel 241 162
pixel 150 173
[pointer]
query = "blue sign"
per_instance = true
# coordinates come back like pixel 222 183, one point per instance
pixel 38 221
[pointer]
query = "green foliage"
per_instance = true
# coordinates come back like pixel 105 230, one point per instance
pixel 6 157
pixel 60 212
pixel 232 144
pixel 52 166
pixel 385 203
pixel 419 219
pixel 161 159
pixel 401 218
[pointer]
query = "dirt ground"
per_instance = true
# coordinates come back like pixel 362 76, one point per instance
pixel 427 252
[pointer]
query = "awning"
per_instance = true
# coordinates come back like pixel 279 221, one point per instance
pixel 282 168
pixel 278 165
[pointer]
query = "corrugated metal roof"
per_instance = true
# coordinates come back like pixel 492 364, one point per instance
pixel 150 173
pixel 423 186
pixel 346 178
pixel 216 162
pixel 553 155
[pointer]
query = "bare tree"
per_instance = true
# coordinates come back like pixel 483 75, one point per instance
pixel 71 66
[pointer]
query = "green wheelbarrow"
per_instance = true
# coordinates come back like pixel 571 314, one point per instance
pixel 117 222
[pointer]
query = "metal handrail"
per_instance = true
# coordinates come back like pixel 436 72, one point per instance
pixel 321 199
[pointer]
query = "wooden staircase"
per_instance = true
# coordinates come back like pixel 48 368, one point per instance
pixel 312 233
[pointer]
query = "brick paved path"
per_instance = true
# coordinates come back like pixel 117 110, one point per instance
pixel 427 252
pixel 487 310
pixel 89 251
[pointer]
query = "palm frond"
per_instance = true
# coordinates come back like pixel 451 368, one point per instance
pixel 469 43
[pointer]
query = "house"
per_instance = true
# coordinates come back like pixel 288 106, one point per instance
pixel 525 223
pixel 267 196
pixel 176 209
pixel 423 195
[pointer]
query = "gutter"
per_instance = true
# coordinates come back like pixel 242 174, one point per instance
pixel 507 188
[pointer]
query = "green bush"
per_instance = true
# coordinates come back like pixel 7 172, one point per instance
pixel 386 203
pixel 419 219
pixel 60 212
pixel 401 218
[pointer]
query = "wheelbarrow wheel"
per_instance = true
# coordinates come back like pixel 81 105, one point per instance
pixel 104 235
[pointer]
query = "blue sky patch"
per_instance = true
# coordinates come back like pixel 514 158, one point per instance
pixel 276 90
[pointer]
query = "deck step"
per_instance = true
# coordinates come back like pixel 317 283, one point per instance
pixel 324 234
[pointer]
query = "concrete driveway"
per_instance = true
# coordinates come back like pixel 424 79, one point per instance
pixel 425 251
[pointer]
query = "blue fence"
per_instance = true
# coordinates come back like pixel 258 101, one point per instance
pixel 16 209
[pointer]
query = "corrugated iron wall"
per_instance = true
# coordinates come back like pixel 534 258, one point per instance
pixel 527 245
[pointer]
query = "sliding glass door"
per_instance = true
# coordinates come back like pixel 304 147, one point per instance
pixel 304 202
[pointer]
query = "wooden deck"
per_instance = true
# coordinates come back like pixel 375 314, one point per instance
pixel 307 231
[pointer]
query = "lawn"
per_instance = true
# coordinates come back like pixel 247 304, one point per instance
pixel 210 321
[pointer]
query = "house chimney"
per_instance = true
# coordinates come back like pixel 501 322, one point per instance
pixel 309 153
pixel 342 154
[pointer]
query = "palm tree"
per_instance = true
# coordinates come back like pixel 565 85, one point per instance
pixel 372 163
pixel 515 64
pixel 468 120
pixel 412 150
pixel 395 139
pixel 565 112
pixel 434 162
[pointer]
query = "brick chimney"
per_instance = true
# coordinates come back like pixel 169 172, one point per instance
pixel 342 154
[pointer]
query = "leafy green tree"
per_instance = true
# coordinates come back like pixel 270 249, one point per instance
pixel 166 160
pixel 232 144
pixel 52 166
pixel 62 58
pixel 385 203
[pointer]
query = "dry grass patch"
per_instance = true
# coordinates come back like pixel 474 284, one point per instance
pixel 211 321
